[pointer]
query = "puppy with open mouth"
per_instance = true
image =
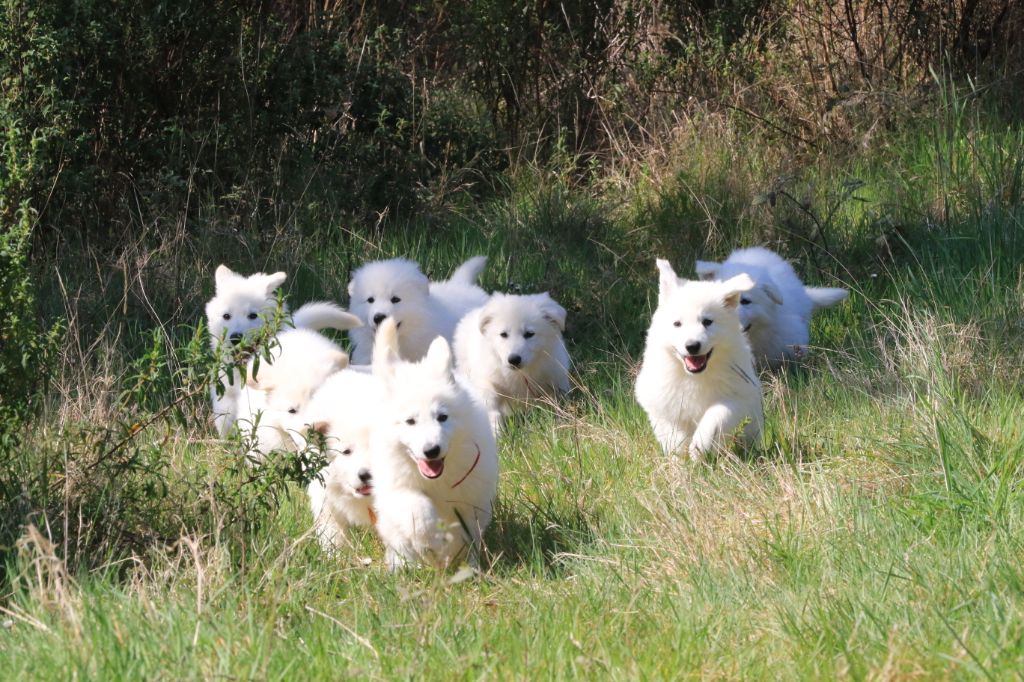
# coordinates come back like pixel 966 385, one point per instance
pixel 435 458
pixel 697 382
pixel 343 411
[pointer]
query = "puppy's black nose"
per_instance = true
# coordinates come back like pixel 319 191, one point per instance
pixel 365 475
pixel 693 348
pixel 515 360
pixel 433 452
pixel 235 338
pixel 379 317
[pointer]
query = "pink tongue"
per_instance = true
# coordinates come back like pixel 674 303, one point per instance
pixel 695 362
pixel 430 468
pixel 365 490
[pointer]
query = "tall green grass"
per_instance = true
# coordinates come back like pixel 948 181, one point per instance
pixel 875 533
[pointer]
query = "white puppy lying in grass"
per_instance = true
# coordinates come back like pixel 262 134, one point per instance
pixel 435 459
pixel 697 381
pixel 239 308
pixel 278 388
pixel 343 409
pixel 397 289
pixel 776 313
pixel 511 351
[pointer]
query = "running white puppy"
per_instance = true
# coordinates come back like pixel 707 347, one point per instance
pixel 511 351
pixel 776 313
pixel 277 391
pixel 240 306
pixel 343 409
pixel 397 289
pixel 435 459
pixel 697 381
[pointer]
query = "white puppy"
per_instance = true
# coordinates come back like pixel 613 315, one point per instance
pixel 240 306
pixel 697 382
pixel 511 351
pixel 343 409
pixel 435 459
pixel 776 313
pixel 278 389
pixel 396 289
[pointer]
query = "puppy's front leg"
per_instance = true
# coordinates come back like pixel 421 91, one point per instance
pixel 671 438
pixel 718 421
pixel 409 526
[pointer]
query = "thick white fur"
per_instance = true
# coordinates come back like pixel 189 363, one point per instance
pixel 272 401
pixel 247 302
pixel 524 328
pixel 343 409
pixel 776 313
pixel 696 412
pixel 438 521
pixel 397 289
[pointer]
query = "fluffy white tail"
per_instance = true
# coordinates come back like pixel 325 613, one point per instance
pixel 825 297
pixel 469 272
pixel 322 315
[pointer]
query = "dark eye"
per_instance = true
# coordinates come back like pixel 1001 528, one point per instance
pixel 347 451
pixel 504 335
pixel 370 300
pixel 411 421
pixel 706 322
pixel 442 418
pixel 528 335
pixel 253 316
pixel 227 316
pixel 745 301
pixel 293 410
pixel 677 323
pixel 395 299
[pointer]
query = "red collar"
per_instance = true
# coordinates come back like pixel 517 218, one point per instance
pixel 475 462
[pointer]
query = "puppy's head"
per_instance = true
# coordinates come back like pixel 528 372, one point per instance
pixel 390 289
pixel 295 371
pixel 758 306
pixel 522 329
pixel 694 319
pixel 422 399
pixel 240 304
pixel 350 466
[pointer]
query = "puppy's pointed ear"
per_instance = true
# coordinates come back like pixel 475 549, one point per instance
pixel 338 361
pixel 733 287
pixel 385 349
pixel 552 312
pixel 351 289
pixel 260 383
pixel 272 282
pixel 222 275
pixel 302 437
pixel 419 280
pixel 439 357
pixel 668 280
pixel 485 321
pixel 708 270
pixel 772 292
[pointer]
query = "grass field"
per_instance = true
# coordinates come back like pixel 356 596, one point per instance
pixel 877 532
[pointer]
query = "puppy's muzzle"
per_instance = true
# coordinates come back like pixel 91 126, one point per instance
pixel 515 360
pixel 378 318
pixel 236 338
pixel 432 453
